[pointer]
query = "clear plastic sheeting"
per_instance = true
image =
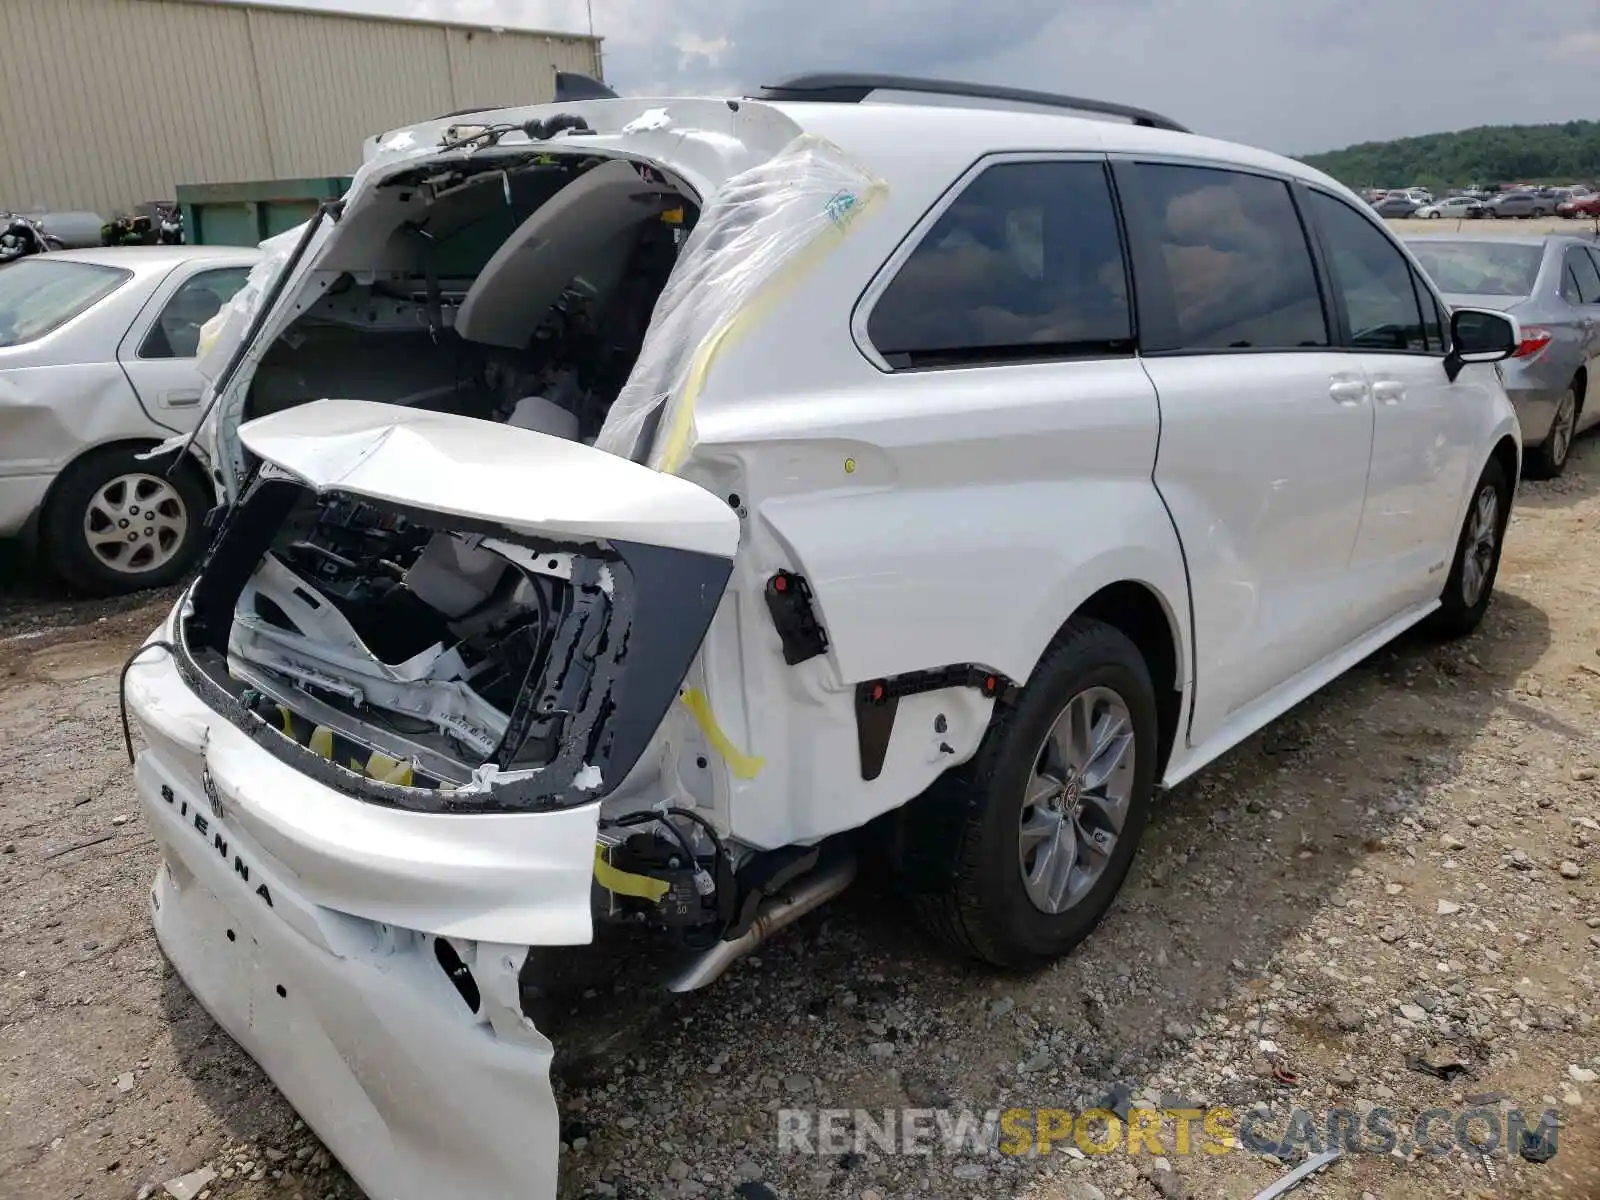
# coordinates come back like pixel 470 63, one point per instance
pixel 761 233
pixel 222 333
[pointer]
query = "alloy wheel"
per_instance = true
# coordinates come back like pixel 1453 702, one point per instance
pixel 135 523
pixel 1561 429
pixel 1483 529
pixel 1077 799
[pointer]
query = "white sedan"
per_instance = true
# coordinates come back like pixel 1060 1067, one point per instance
pixel 1450 206
pixel 97 365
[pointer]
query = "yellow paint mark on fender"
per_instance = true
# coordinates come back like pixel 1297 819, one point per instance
pixel 745 766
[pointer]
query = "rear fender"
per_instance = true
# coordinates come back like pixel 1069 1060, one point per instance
pixel 922 579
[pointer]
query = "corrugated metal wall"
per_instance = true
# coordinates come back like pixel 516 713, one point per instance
pixel 110 103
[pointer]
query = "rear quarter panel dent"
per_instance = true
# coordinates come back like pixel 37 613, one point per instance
pixel 928 580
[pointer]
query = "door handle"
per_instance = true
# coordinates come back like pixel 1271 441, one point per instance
pixel 1347 391
pixel 1389 391
pixel 180 399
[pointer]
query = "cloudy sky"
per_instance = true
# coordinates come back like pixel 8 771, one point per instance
pixel 1293 75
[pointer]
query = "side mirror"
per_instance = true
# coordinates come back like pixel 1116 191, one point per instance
pixel 1480 335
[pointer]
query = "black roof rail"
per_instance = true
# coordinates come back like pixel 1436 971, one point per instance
pixel 834 87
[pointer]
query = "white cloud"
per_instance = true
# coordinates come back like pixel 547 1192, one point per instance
pixel 1299 76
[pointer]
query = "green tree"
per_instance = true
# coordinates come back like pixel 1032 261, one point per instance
pixel 1565 153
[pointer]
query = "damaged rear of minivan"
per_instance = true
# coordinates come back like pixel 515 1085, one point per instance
pixel 425 706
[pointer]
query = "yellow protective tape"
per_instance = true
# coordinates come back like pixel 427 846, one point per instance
pixel 745 766
pixel 321 741
pixel 626 883
pixel 388 770
pixel 675 446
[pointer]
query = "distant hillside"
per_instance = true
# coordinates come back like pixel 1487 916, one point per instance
pixel 1489 154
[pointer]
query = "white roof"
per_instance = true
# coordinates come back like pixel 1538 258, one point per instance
pixel 141 259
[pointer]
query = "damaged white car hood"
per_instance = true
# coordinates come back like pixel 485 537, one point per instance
pixel 525 481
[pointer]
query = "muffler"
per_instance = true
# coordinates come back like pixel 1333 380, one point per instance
pixel 802 897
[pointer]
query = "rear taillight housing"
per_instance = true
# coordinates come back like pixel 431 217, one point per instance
pixel 1534 339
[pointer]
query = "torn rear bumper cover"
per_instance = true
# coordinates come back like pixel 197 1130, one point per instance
pixel 292 913
pixel 365 939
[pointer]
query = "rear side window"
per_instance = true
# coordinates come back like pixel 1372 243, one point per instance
pixel 176 333
pixel 40 294
pixel 1584 275
pixel 1372 278
pixel 1480 268
pixel 1025 264
pixel 1236 259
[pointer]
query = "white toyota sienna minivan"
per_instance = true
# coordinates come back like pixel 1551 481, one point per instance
pixel 627 501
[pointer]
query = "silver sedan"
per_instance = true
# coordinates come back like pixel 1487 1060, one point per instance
pixel 97 365
pixel 1552 286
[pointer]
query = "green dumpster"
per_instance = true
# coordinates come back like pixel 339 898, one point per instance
pixel 243 214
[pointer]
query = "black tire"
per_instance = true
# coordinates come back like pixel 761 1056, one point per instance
pixel 1460 611
pixel 175 536
pixel 982 908
pixel 1549 458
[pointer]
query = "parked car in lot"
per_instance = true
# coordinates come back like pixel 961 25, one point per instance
pixel 1519 204
pixel 796 467
pixel 1451 206
pixel 1579 207
pixel 97 365
pixel 1552 286
pixel 1396 204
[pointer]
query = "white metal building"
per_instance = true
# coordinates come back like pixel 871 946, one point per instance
pixel 110 103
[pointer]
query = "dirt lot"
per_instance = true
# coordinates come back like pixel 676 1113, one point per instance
pixel 1457 225
pixel 1404 866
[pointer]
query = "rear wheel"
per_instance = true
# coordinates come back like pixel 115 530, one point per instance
pixel 1054 804
pixel 115 524
pixel 1549 458
pixel 1470 585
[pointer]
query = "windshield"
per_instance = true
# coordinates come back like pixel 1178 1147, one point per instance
pixel 41 294
pixel 1480 268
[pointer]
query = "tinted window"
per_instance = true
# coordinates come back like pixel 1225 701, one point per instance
pixel 1372 277
pixel 1027 263
pixel 1568 287
pixel 41 294
pixel 1236 258
pixel 1585 275
pixel 176 333
pixel 1480 268
pixel 1434 324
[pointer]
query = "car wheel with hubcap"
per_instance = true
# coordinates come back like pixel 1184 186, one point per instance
pixel 1052 806
pixel 1549 458
pixel 115 524
pixel 1470 584
pixel 1076 802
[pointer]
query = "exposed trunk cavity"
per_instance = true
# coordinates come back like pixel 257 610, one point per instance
pixel 513 289
pixel 441 662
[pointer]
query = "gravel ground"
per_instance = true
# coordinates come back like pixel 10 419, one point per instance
pixel 1405 226
pixel 1403 867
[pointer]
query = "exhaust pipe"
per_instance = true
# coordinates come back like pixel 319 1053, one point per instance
pixel 803 896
